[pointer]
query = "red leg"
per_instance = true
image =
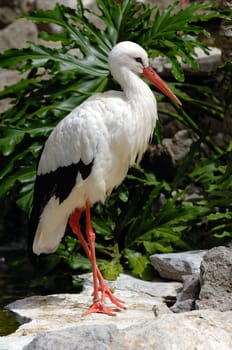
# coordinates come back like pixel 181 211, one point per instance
pixel 91 239
pixel 182 4
pixel 97 276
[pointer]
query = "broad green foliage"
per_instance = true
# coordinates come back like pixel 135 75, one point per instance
pixel 134 222
pixel 57 80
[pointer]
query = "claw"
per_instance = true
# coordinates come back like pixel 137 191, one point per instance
pixel 106 292
pixel 98 307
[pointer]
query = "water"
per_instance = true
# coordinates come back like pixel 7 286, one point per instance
pixel 14 276
pixel 12 287
pixel 8 323
pixel 19 278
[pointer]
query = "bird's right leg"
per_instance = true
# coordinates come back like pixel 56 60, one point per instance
pixel 98 305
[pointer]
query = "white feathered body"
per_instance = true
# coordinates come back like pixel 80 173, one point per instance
pixel 111 130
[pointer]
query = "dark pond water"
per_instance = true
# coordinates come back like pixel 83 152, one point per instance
pixel 8 323
pixel 19 278
pixel 12 287
pixel 13 279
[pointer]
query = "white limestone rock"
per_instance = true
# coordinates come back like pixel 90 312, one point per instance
pixel 17 34
pixel 55 322
pixel 144 301
pixel 196 330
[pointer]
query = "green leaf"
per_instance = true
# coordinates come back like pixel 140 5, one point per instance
pixel 153 247
pixel 77 261
pixel 110 269
pixel 219 216
pixel 104 228
pixel 25 201
pixel 139 264
pixel 10 137
pixel 224 234
pixel 22 175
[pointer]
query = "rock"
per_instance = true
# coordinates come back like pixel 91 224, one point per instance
pixel 202 330
pixel 197 330
pixel 8 77
pixel 60 312
pixel 48 5
pixel 17 34
pixel 10 10
pixel 7 15
pixel 176 265
pixel 208 63
pixel 216 280
pixel 56 321
pixel 12 37
pixel 89 4
pixel 186 298
pixel 83 337
pixel 179 146
pixel 27 5
pixel 164 157
pixel 157 288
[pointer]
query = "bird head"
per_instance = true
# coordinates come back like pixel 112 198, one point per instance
pixel 133 57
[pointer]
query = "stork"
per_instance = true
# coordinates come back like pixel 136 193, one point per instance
pixel 89 153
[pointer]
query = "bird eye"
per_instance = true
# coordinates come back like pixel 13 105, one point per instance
pixel 139 59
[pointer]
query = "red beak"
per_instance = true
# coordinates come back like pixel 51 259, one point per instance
pixel 154 78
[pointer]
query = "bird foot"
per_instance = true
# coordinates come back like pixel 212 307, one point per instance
pixel 98 307
pixel 106 293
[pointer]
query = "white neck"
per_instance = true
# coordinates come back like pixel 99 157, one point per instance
pixel 143 109
pixel 131 83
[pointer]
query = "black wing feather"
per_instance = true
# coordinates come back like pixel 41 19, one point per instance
pixel 58 183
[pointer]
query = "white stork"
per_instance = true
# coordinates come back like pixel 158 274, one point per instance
pixel 89 153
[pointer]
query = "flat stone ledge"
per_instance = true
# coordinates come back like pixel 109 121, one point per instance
pixel 54 313
pixel 55 322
